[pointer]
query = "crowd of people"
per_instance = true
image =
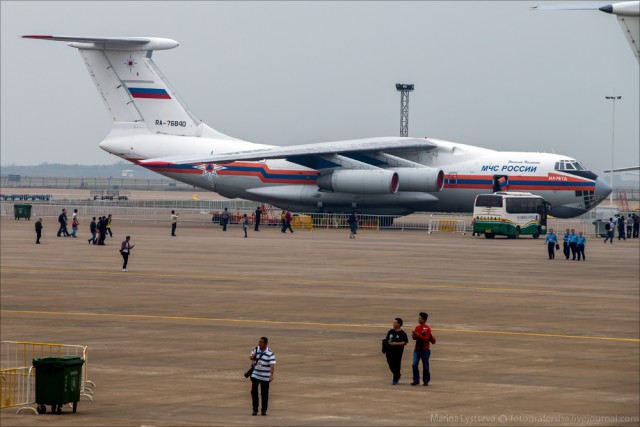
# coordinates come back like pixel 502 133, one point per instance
pixel 627 227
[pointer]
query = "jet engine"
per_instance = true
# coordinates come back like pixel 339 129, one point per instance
pixel 424 179
pixel 367 181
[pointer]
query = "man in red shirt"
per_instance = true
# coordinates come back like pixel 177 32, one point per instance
pixel 422 336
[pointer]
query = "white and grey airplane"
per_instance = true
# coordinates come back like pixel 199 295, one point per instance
pixel 627 12
pixel 388 175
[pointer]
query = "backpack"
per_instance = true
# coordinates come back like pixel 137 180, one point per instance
pixel 607 227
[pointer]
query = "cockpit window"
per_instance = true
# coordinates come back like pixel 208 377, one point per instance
pixel 569 165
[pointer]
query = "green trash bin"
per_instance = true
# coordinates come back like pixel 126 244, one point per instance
pixel 22 211
pixel 58 382
pixel 600 230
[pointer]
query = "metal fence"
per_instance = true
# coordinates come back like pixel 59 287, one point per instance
pixel 17 387
pixel 119 183
pixel 206 212
pixel 20 354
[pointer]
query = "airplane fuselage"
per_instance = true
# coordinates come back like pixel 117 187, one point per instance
pixel 468 171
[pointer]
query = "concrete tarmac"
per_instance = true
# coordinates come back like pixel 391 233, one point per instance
pixel 522 340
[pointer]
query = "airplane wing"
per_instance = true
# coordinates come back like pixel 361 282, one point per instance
pixel 293 152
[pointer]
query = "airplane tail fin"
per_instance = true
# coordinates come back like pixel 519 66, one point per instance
pixel 132 86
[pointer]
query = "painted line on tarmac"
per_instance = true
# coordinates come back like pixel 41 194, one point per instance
pixel 279 279
pixel 294 323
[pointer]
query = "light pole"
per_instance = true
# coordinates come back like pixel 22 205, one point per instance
pixel 404 90
pixel 613 133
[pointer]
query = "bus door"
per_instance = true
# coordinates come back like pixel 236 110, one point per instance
pixel 545 209
pixel 500 183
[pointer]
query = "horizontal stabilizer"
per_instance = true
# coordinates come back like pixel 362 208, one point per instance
pixel 572 6
pixel 386 144
pixel 112 43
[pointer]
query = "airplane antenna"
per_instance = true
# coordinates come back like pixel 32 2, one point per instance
pixel 404 90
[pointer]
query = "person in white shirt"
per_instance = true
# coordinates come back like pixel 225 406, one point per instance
pixel 264 364
pixel 125 251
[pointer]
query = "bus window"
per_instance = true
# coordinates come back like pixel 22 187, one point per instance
pixel 489 201
pixel 524 205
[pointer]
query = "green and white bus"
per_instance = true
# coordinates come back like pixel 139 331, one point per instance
pixel 511 214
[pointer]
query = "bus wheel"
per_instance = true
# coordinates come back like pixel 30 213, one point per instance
pixel 516 234
pixel 536 233
pixel 489 235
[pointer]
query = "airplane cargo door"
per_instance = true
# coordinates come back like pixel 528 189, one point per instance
pixel 500 183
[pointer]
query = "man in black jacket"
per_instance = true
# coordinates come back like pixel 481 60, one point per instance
pixel 62 219
pixel 38 230
pixel 396 340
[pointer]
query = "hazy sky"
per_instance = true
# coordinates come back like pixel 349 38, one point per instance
pixel 493 74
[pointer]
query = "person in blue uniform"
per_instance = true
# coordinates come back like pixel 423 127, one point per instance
pixel 565 243
pixel 573 243
pixel 551 240
pixel 581 243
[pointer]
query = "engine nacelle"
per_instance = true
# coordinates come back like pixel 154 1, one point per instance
pixel 367 181
pixel 424 179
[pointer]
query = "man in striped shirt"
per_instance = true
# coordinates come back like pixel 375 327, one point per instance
pixel 264 365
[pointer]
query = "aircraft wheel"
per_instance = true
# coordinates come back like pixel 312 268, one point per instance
pixel 489 235
pixel 516 234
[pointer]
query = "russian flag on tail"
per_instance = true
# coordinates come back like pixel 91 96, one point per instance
pixel 138 92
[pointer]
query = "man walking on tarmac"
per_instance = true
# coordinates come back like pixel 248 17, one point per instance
pixel 423 338
pixel 396 340
pixel 264 364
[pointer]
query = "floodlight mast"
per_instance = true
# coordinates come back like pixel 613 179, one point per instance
pixel 404 90
pixel 613 100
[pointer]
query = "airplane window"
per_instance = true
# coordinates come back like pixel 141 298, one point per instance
pixel 569 166
pixel 557 166
pixel 579 166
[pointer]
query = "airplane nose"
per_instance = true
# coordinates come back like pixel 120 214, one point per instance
pixel 603 189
